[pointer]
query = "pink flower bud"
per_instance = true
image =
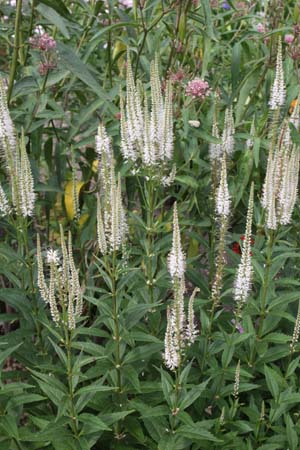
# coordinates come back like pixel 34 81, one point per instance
pixel 260 28
pixel 288 38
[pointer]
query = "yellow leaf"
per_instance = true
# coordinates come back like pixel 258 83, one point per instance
pixel 69 197
pixel 82 220
pixel 119 48
pixel 95 166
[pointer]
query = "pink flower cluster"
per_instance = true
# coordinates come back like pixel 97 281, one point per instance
pixel 45 67
pixel 48 54
pixel 126 3
pixel 289 38
pixel 43 42
pixel 197 88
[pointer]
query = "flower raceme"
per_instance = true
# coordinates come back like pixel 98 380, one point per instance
pixel 222 207
pixel 242 284
pixel 180 330
pixel 278 91
pixel 281 180
pixel 176 259
pixel 63 292
pixel 147 136
pixel 17 165
pixel 222 194
pixel 216 150
pixel 111 219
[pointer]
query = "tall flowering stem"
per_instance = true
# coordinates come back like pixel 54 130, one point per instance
pixel 64 296
pixel 150 236
pixel 17 201
pixel 176 318
pixel 242 285
pixel 265 288
pixel 111 236
pixel 181 330
pixel 222 213
pixel 146 127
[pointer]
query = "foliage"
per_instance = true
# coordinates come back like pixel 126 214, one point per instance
pixel 105 384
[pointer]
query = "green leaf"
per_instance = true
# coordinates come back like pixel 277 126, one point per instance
pixel 227 354
pixel 292 367
pixel 9 426
pixel 112 418
pixel 271 380
pixel 292 435
pixel 71 61
pixel 235 64
pixel 58 6
pixel 60 353
pixel 92 423
pixel 93 388
pixel 194 432
pixel 208 19
pixel 135 312
pixel 188 181
pixel 142 353
pixel 54 18
pixel 24 399
pixel 55 430
pixel 167 385
pixel 132 377
pixel 191 396
pixel 51 386
pixel 276 338
pixel 294 134
pixel 256 148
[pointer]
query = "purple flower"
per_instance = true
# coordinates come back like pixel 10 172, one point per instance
pixel 238 326
pixel 226 5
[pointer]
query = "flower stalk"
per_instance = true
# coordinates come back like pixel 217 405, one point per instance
pixel 17 44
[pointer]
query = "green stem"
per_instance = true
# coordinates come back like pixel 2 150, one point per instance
pixel 221 381
pixel 68 344
pixel 14 62
pixel 172 52
pixel 37 104
pixel 266 281
pixel 117 337
pixel 145 33
pixel 150 238
pixel 30 29
pixel 177 389
pixel 116 321
pixel 265 288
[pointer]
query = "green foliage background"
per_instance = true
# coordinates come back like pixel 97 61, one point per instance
pixel 153 408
